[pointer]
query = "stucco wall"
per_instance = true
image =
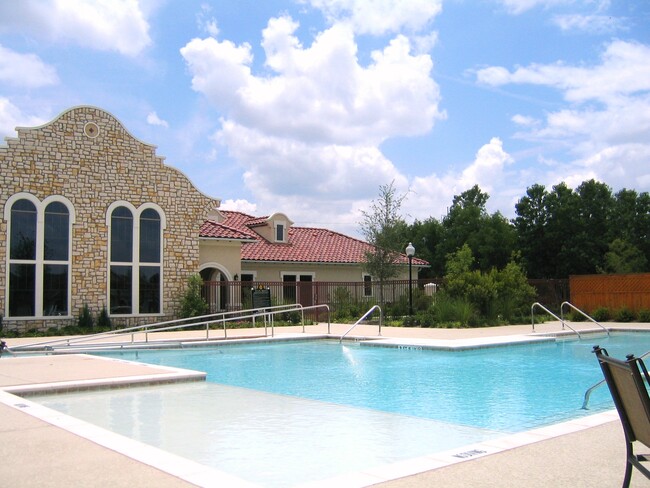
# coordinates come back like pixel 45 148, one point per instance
pixel 321 272
pixel 220 254
pixel 93 170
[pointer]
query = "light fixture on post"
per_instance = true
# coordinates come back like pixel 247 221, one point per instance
pixel 410 251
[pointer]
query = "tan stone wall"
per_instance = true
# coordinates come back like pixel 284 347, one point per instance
pixel 59 158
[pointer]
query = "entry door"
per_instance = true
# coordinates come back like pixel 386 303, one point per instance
pixel 305 295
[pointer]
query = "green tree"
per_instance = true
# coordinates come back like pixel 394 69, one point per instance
pixel 624 257
pixel 497 295
pixel 384 229
pixel 426 237
pixel 192 302
pixel 631 220
pixel 530 227
pixel 492 238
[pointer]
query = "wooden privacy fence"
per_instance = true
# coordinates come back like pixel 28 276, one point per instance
pixel 614 291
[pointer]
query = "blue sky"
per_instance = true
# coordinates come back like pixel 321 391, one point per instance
pixel 308 106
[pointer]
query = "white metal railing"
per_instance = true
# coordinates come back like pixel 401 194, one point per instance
pixel 267 314
pixel 583 314
pixel 365 315
pixel 532 314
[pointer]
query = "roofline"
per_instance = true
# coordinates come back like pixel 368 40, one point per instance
pixel 226 239
pixel 341 263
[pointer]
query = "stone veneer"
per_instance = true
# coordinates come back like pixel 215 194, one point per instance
pixel 60 158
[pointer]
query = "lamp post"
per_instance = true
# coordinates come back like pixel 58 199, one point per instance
pixel 410 251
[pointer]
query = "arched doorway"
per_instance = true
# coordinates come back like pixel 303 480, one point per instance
pixel 215 288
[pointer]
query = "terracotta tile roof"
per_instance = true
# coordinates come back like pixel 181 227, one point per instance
pixel 305 244
pixel 215 230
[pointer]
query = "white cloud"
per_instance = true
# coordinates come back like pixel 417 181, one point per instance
pixel 525 120
pixel 606 127
pixel 206 22
pixel 380 16
pixel 111 25
pixel 25 70
pixel 306 132
pixel 517 7
pixel 240 205
pixel 597 24
pixel 153 119
pixel 12 117
pixel 319 93
pixel 624 70
pixel 488 171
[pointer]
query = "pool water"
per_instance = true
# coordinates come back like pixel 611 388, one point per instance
pixel 508 389
pixel 288 413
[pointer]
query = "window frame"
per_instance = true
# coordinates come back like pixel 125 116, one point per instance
pixel 368 288
pixel 277 226
pixel 40 262
pixel 136 263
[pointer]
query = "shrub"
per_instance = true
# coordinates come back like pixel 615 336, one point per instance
pixel 643 315
pixel 625 315
pixel 192 302
pixel 85 321
pixel 601 314
pixel 103 320
pixel 576 316
pixel 448 310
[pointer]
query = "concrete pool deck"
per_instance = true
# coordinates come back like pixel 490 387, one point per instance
pixel 45 450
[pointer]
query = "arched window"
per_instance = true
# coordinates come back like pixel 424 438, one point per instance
pixel 39 256
pixel 135 281
pixel 22 255
pixel 149 261
pixel 121 268
pixel 56 251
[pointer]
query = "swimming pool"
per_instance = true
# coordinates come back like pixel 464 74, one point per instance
pixel 288 413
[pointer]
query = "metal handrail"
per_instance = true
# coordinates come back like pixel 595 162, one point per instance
pixel 171 325
pixel 369 312
pixel 583 314
pixel 532 314
pixel 590 390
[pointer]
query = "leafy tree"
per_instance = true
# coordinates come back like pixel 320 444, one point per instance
pixel 491 237
pixel 589 241
pixel 563 232
pixel 530 227
pixel 461 281
pixel 384 229
pixel 515 294
pixel 496 295
pixel 426 237
pixel 624 257
pixel 631 220
pixel 192 302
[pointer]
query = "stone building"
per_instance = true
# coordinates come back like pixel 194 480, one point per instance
pixel 92 216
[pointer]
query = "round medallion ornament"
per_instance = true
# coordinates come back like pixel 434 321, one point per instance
pixel 91 130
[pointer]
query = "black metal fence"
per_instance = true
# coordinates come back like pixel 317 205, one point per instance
pixel 237 295
pixel 351 298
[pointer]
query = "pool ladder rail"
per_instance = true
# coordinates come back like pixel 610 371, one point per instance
pixel 365 315
pixel 561 317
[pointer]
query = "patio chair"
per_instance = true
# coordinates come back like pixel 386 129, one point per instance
pixel 626 382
